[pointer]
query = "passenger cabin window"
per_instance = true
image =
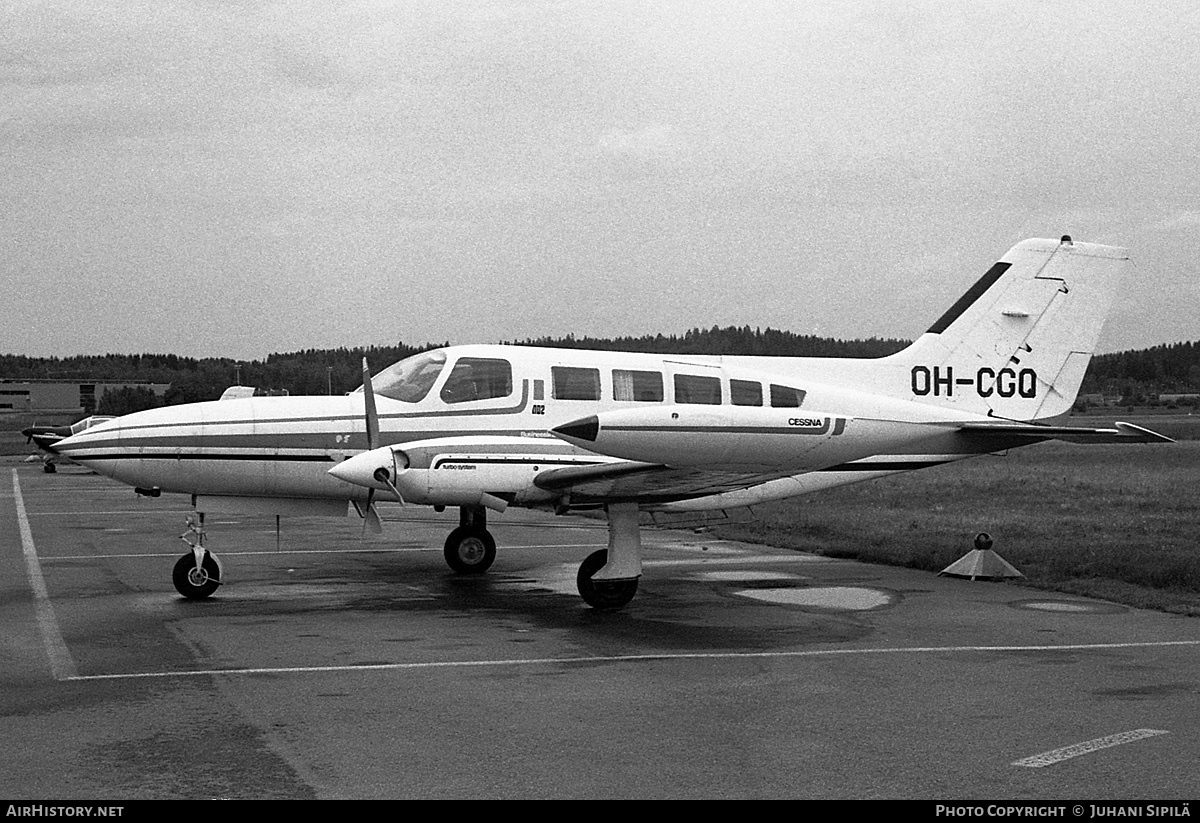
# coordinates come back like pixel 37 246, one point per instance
pixel 785 397
pixel 693 388
pixel 478 378
pixel 571 383
pixel 410 379
pixel 745 393
pixel 644 386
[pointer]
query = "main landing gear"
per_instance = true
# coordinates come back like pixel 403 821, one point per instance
pixel 607 579
pixel 470 548
pixel 198 573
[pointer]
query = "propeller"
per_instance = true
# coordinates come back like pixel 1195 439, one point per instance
pixel 370 516
pixel 369 403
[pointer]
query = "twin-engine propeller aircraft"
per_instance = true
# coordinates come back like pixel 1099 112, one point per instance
pixel 47 437
pixel 490 426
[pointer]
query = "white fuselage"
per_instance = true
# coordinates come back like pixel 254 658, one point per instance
pixel 479 418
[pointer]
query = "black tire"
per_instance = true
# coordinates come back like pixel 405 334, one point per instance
pixel 604 595
pixel 49 468
pixel 470 551
pixel 196 584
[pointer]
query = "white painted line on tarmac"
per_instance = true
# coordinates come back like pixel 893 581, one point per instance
pixel 282 552
pixel 271 553
pixel 698 560
pixel 741 560
pixel 113 512
pixel 62 665
pixel 626 658
pixel 1037 761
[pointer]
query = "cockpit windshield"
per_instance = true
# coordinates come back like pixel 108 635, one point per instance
pixel 410 379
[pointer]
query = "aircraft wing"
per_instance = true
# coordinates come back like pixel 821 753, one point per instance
pixel 631 481
pixel 1032 433
pixel 634 481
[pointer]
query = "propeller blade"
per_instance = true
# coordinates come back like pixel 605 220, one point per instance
pixel 369 403
pixel 370 516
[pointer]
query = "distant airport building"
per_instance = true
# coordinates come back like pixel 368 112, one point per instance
pixel 1097 399
pixel 62 396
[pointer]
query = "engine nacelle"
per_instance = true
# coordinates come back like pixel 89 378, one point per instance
pixel 464 471
pixel 465 479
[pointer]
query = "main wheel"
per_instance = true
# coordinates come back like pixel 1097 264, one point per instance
pixel 603 594
pixel 193 583
pixel 470 551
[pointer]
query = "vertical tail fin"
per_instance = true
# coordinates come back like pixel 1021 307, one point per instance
pixel 1017 344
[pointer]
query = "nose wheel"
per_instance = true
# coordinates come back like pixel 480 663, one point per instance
pixel 196 582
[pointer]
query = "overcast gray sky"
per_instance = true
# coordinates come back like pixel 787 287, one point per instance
pixel 240 178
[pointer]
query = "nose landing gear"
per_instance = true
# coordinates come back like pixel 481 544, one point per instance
pixel 198 573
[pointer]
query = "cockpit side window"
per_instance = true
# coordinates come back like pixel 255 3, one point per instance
pixel 410 379
pixel 478 378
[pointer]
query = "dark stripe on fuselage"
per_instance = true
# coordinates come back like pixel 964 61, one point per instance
pixel 298 440
pixel 823 429
pixel 275 458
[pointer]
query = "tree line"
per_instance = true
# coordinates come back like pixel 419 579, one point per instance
pixel 1139 376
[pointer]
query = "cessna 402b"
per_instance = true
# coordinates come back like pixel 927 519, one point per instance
pixel 485 427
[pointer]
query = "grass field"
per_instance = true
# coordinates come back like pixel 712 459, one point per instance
pixel 1114 522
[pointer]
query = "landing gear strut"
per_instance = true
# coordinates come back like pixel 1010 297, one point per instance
pixel 470 548
pixel 198 573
